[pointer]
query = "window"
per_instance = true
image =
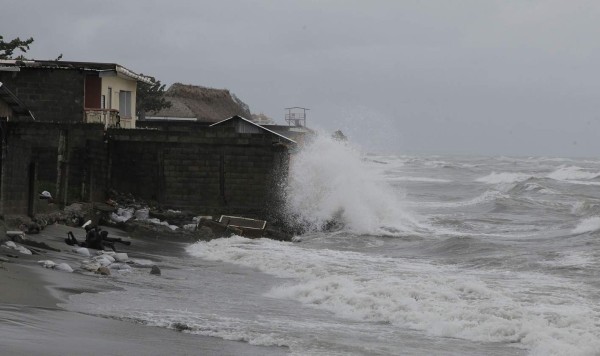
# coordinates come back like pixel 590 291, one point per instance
pixel 125 104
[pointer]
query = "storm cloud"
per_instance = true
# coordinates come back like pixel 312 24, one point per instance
pixel 450 77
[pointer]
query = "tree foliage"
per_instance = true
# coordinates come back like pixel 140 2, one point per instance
pixel 7 49
pixel 150 98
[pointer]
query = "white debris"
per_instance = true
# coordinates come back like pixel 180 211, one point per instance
pixel 154 221
pixel 63 267
pixel 120 266
pixel 121 257
pixel 15 233
pixel 142 214
pixel 103 261
pixel 142 262
pixel 106 253
pixel 23 250
pixel 82 251
pixel 190 227
pixel 197 219
pixel 109 257
pixel 122 215
pixel 47 263
pixel 90 266
pixel 14 246
pixel 164 223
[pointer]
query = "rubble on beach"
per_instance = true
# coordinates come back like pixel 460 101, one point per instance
pixel 139 218
pixel 144 218
pixel 81 259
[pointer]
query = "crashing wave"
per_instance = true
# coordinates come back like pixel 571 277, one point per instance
pixel 330 184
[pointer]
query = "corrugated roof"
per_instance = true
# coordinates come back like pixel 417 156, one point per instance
pixel 90 66
pixel 254 124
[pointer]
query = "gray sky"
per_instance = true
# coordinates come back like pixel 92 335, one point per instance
pixel 467 77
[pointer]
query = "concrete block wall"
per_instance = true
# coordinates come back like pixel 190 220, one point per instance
pixel 38 143
pixel 205 170
pixel 97 155
pixel 51 96
pixel 14 185
pixel 134 168
pixel 81 164
pixel 43 139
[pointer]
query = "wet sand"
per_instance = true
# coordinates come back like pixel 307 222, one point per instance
pixel 32 321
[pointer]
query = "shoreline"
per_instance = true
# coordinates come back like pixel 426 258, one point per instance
pixel 33 322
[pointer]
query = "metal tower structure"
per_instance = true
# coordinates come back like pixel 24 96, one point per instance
pixel 296 116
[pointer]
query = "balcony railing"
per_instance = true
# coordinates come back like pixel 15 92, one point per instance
pixel 108 117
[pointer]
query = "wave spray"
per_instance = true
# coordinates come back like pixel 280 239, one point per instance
pixel 330 183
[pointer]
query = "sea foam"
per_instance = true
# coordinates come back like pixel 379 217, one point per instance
pixel 440 300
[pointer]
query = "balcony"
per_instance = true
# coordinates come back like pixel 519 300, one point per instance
pixel 108 117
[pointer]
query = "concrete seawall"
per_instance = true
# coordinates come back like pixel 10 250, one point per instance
pixel 207 170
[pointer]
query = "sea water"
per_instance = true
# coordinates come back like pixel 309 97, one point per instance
pixel 428 255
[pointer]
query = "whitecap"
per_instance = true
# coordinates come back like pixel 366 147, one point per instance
pixel 418 179
pixel 581 182
pixel 504 178
pixel 485 197
pixel 532 309
pixel 572 173
pixel 587 225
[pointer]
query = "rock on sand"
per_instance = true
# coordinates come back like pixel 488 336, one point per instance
pixel 155 270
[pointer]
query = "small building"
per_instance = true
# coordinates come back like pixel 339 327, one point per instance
pixel 244 126
pixel 75 92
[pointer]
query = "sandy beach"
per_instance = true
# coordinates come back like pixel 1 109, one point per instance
pixel 33 319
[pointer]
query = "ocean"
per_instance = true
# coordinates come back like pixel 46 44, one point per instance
pixel 401 255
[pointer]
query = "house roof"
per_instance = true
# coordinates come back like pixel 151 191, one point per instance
pixel 237 117
pixel 15 65
pixel 15 104
pixel 204 104
pixel 178 108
